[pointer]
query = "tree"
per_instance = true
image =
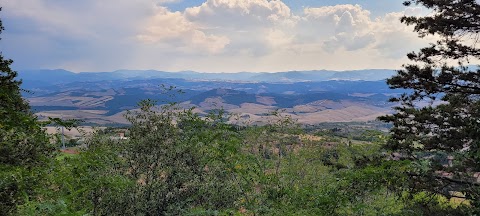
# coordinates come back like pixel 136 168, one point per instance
pixel 16 121
pixel 24 146
pixel 442 138
pixel 175 163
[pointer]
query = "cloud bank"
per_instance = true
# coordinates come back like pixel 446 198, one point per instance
pixel 216 36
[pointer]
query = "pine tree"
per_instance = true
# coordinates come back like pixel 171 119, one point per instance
pixel 24 146
pixel 442 138
pixel 10 93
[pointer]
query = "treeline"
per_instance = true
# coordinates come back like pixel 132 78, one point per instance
pixel 178 163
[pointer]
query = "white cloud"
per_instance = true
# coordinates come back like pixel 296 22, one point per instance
pixel 233 26
pixel 218 35
pixel 239 14
pixel 172 28
pixel 346 27
pixel 334 37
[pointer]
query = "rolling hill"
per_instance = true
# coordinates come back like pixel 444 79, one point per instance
pixel 309 96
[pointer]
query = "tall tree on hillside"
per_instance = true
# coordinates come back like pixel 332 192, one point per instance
pixel 23 144
pixel 441 138
pixel 10 97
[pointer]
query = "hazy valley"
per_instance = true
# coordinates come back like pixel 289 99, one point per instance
pixel 311 97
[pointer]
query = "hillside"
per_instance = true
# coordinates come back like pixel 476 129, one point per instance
pixel 309 96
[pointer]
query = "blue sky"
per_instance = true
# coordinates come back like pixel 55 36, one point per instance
pixel 207 35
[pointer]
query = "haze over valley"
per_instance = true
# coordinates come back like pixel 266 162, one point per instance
pixel 309 96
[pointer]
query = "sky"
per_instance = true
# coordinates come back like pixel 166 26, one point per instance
pixel 207 35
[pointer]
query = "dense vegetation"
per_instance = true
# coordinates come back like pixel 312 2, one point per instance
pixel 175 162
pixel 448 129
pixel 24 147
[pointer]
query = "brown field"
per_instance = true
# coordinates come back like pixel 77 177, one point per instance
pixel 74 132
pixel 246 113
pixel 70 101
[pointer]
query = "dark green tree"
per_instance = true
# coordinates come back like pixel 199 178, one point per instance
pixel 437 124
pixel 16 121
pixel 23 144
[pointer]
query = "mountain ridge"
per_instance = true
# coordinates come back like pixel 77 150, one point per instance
pixel 65 76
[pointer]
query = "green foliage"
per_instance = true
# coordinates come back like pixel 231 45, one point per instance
pixel 448 127
pixel 309 186
pixel 173 161
pixel 24 147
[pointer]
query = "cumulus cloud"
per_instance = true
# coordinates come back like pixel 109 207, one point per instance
pixel 174 29
pixel 258 31
pixel 240 14
pixel 347 27
pixel 218 35
pixel 231 26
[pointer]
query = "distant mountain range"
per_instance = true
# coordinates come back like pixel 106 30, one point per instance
pixel 39 78
pixel 309 96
